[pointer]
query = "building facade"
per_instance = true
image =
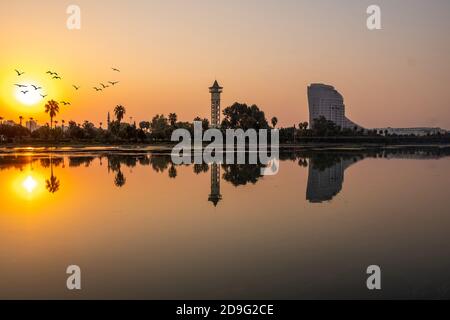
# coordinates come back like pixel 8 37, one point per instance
pixel 420 132
pixel 32 125
pixel 325 101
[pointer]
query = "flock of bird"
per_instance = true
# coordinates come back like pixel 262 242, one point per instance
pixel 56 76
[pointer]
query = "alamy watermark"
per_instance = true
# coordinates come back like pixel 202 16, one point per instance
pixel 74 280
pixel 240 147
pixel 74 19
pixel 374 19
pixel 374 279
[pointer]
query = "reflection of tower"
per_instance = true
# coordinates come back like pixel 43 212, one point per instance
pixel 215 91
pixel 215 195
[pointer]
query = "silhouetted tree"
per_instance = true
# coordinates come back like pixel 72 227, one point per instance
pixel 52 108
pixel 241 116
pixel 120 179
pixel 144 125
pixel 173 172
pixel 120 112
pixel 173 118
pixel 52 184
pixel 274 121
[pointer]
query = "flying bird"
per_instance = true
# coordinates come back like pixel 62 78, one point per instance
pixel 57 77
pixel 18 72
pixel 104 87
pixel 97 89
pixel 43 96
pixel 65 103
pixel 113 82
pixel 24 92
pixel 36 88
pixel 114 69
pixel 76 87
pixel 20 85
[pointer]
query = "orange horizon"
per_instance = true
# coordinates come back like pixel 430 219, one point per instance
pixel 170 53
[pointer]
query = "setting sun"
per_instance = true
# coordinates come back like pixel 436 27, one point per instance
pixel 27 94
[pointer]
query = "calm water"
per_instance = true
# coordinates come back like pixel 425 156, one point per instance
pixel 140 227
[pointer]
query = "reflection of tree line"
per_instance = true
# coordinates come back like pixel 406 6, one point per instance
pixel 243 174
pixel 326 167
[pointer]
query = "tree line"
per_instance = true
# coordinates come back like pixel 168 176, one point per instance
pixel 160 127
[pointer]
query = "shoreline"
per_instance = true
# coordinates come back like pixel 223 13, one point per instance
pixel 6 149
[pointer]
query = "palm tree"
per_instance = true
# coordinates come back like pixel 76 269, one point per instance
pixel 101 124
pixel 274 121
pixel 1 120
pixel 63 122
pixel 52 108
pixel 120 112
pixel 120 179
pixel 56 123
pixel 173 172
pixel 20 120
pixel 173 119
pixel 52 184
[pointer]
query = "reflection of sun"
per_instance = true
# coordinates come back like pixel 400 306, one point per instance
pixel 29 184
pixel 28 96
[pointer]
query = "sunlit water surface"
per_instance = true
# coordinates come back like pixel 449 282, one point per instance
pixel 141 227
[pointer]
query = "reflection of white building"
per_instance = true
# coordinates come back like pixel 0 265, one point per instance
pixel 411 131
pixel 325 101
pixel 324 184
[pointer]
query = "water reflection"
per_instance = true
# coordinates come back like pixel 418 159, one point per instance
pixel 30 184
pixel 326 168
pixel 325 178
pixel 215 195
pixel 144 227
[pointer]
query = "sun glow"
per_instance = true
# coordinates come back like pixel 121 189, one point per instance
pixel 28 95
pixel 29 184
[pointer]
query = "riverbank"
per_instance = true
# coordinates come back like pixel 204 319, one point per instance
pixel 167 147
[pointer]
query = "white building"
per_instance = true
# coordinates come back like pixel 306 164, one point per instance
pixel 325 101
pixel 421 131
pixel 9 123
pixel 31 125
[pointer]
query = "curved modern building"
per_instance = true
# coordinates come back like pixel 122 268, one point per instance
pixel 326 101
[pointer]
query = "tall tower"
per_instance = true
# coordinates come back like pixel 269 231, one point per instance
pixel 215 195
pixel 215 91
pixel 109 121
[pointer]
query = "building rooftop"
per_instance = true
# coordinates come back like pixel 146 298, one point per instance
pixel 216 85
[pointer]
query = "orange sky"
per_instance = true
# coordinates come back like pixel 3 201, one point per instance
pixel 263 52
